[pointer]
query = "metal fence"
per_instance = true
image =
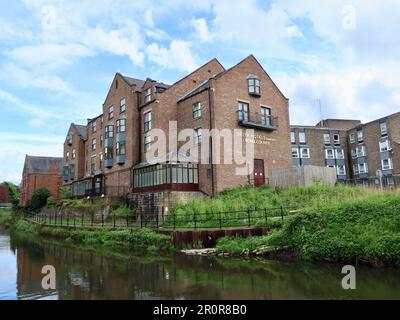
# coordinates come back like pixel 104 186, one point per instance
pixel 387 182
pixel 197 220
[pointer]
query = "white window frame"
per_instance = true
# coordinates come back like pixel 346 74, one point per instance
pixel 354 153
pixel 292 137
pixel 389 165
pixel 341 156
pixel 147 121
pixel 352 137
pixel 360 151
pixel 326 153
pixel 339 172
pixel 110 112
pixel 302 137
pixel 356 169
pixel 296 151
pixel 307 155
pixel 360 135
pixel 365 166
pixel 383 127
pixel 327 138
pixel 384 146
pixel 336 141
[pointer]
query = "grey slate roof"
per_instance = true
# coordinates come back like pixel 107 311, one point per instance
pixel 82 130
pixel 34 164
pixel 132 81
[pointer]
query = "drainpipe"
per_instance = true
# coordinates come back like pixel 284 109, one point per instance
pixel 211 111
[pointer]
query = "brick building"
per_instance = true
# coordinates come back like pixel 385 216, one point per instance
pixel 374 148
pixel 40 172
pixel 5 196
pixel 324 144
pixel 359 152
pixel 115 146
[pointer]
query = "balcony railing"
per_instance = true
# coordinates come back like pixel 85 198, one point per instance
pixel 257 120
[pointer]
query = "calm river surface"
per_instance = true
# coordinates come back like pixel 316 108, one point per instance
pixel 89 275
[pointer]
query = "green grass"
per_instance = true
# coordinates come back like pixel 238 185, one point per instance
pixel 142 239
pixel 365 228
pixel 207 212
pixel 5 216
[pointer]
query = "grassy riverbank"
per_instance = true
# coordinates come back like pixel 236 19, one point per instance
pixel 141 240
pixel 231 205
pixel 364 229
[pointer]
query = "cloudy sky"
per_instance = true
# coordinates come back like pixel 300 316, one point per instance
pixel 57 58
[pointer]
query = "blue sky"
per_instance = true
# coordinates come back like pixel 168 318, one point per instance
pixel 57 58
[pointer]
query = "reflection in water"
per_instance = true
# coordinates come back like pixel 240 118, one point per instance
pixel 89 275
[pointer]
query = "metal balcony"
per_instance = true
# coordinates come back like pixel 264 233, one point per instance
pixel 257 121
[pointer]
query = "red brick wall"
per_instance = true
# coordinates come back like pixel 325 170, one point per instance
pixel 5 196
pixel 32 182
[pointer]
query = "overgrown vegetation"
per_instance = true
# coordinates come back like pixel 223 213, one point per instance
pixel 366 229
pixel 5 217
pixel 231 205
pixel 14 192
pixel 39 199
pixel 122 211
pixel 142 239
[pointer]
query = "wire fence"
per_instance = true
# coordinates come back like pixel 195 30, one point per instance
pixel 198 220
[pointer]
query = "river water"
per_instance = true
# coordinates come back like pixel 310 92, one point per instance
pixel 82 274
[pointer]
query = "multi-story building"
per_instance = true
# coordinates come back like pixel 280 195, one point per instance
pixel 118 142
pixel 322 145
pixel 375 150
pixel 359 152
pixel 41 172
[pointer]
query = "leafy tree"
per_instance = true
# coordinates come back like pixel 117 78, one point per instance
pixel 39 198
pixel 14 192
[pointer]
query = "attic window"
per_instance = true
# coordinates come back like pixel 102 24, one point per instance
pixel 147 95
pixel 253 84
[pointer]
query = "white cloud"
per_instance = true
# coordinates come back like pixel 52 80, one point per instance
pixel 25 107
pixel 121 42
pixel 201 29
pixel 36 123
pixel 38 79
pixel 49 55
pixel 177 56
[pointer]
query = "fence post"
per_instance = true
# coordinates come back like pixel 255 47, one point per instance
pixel 282 212
pixel 265 216
pixel 74 219
pixel 220 220
pixel 127 221
pixel 92 218
pixel 157 220
pixel 55 218
pixel 114 220
pixel 248 216
pixel 174 220
pixel 50 219
pixel 82 220
pixel 102 219
pixel 195 222
pixel 61 219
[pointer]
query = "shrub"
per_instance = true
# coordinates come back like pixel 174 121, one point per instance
pixel 39 199
pixel 51 203
pixel 122 211
pixel 65 193
pixel 24 227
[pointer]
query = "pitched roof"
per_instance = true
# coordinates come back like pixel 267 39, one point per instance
pixel 133 81
pixel 82 130
pixel 34 164
pixel 201 87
